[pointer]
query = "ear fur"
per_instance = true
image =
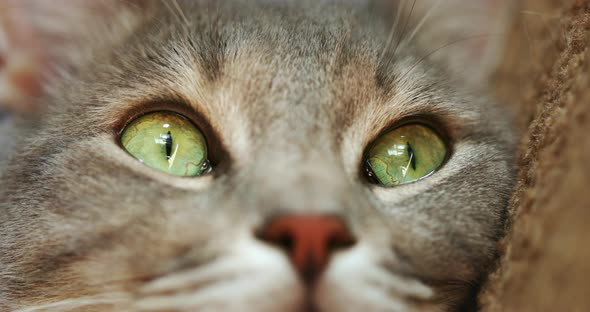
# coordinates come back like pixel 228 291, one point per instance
pixel 40 38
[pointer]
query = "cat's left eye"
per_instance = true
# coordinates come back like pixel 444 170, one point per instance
pixel 405 154
pixel 168 142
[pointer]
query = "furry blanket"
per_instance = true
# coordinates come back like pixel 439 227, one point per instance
pixel 546 261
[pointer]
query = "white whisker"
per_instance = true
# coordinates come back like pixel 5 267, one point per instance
pixel 526 12
pixel 403 33
pixel 228 288
pixel 448 44
pixel 181 13
pixel 76 303
pixel 402 286
pixel 193 278
pixel 177 12
pixel 392 32
pixel 425 18
pixel 257 272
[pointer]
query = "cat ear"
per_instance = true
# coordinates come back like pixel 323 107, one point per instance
pixel 40 38
pixel 466 35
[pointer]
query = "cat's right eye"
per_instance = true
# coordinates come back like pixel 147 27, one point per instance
pixel 168 142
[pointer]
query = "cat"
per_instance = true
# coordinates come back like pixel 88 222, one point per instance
pixel 289 212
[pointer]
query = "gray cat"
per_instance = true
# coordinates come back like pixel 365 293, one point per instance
pixel 252 156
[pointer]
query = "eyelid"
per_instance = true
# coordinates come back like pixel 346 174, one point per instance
pixel 144 108
pixel 433 122
pixel 218 152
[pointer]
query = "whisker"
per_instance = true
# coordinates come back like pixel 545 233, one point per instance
pixel 400 284
pixel 401 37
pixel 197 301
pixel 76 303
pixel 181 13
pixel 194 278
pixel 176 11
pixel 425 18
pixel 392 32
pixel 423 58
pixel 527 12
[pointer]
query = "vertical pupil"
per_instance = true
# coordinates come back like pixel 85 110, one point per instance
pixel 411 155
pixel 168 145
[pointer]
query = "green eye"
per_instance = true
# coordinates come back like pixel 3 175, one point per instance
pixel 405 154
pixel 168 142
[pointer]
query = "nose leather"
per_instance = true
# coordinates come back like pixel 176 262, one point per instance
pixel 309 240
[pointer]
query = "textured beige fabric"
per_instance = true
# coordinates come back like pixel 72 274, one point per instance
pixel 546 74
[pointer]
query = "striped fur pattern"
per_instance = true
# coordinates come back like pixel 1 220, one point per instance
pixel 289 95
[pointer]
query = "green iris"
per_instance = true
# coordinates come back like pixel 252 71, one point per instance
pixel 168 142
pixel 405 154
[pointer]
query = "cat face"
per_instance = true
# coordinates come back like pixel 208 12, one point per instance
pixel 290 98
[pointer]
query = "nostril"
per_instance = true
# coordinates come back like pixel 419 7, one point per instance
pixel 341 240
pixel 308 240
pixel 284 241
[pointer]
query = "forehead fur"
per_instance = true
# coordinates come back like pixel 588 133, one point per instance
pixel 266 54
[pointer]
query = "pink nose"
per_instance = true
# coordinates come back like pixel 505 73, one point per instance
pixel 309 240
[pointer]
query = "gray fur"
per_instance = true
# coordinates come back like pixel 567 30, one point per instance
pixel 291 93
